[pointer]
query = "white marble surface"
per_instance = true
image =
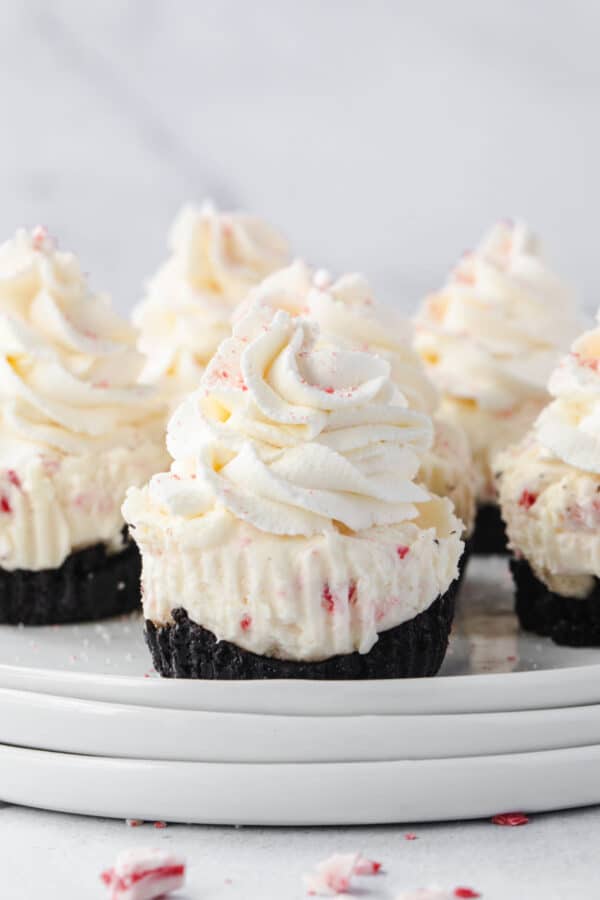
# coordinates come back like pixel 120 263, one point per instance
pixel 49 855
pixel 382 136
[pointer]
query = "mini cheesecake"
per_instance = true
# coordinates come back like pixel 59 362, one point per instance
pixel 490 339
pixel 290 538
pixel 216 258
pixel 76 430
pixel 549 487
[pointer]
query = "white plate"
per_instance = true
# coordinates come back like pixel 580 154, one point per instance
pixel 104 729
pixel 490 667
pixel 303 794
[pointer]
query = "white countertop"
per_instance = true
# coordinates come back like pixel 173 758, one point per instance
pixel 554 857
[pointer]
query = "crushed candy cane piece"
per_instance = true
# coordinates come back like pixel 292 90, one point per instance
pixel 160 824
pixel 513 819
pixel 333 875
pixel 367 866
pixel 134 823
pixel 144 874
pixel 465 892
pixel 410 836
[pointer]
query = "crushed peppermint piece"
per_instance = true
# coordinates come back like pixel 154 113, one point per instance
pixel 466 892
pixel 410 836
pixel 511 819
pixel 367 866
pixel 134 823
pixel 334 875
pixel 527 499
pixel 327 599
pixel 402 550
pixel 14 478
pixel 245 622
pixel 160 824
pixel 5 504
pixel 144 874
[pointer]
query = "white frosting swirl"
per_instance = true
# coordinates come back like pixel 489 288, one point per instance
pixel 490 339
pixel 295 439
pixel 75 427
pixel 349 318
pixel 497 328
pixel 216 258
pixel 569 427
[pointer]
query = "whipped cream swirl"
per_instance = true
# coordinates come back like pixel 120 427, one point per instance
pixel 569 427
pixel 493 334
pixel 216 258
pixel 292 438
pixel 348 316
pixel 68 363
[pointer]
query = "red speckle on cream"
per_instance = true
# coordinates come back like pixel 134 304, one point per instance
pixel 5 506
pixel 465 892
pixel 511 819
pixel 327 601
pixel 402 551
pixel 14 478
pixel 352 593
pixel 587 362
pixel 245 622
pixel 527 499
pixel 329 390
pixel 38 236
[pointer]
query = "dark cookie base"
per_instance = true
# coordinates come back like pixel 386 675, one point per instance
pixel 567 620
pixel 90 584
pixel 489 534
pixel 412 650
pixel 454 589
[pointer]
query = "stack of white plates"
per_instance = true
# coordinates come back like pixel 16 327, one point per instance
pixel 511 723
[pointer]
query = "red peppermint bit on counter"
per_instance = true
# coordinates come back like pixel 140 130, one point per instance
pixel 465 892
pixel 160 824
pixel 245 622
pixel 527 499
pixel 410 836
pixel 134 823
pixel 333 875
pixel 14 478
pixel 367 866
pixel 402 551
pixel 4 504
pixel 327 601
pixel 144 874
pixel 511 819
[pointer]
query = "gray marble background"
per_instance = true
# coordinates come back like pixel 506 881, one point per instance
pixel 381 136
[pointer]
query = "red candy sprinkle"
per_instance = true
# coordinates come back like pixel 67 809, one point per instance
pixel 5 505
pixel 160 824
pixel 511 819
pixel 329 390
pixel 245 622
pixel 410 836
pixel 328 603
pixel 465 892
pixel 402 551
pixel 527 499
pixel 14 478
pixel 352 593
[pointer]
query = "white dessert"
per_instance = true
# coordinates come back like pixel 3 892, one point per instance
pixel 350 318
pixel 216 258
pixel 549 485
pixel 490 338
pixel 76 429
pixel 291 522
